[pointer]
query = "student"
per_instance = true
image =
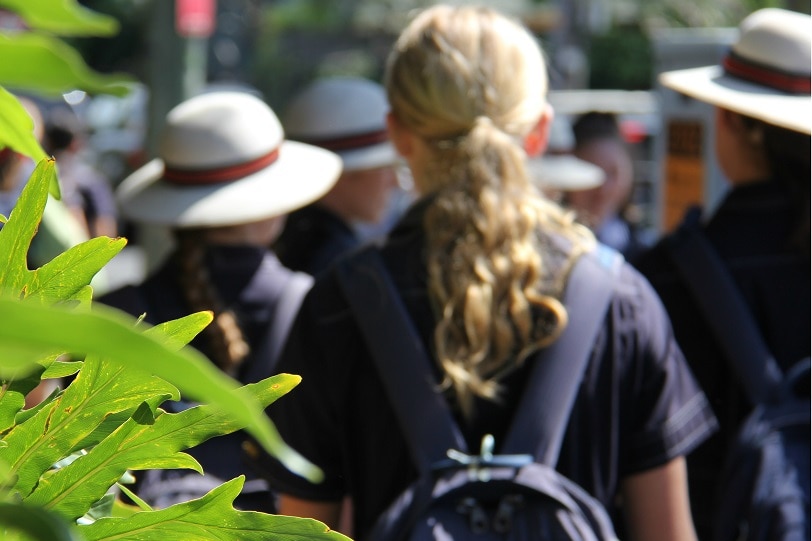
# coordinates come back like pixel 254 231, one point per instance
pixel 346 115
pixel 598 141
pixel 224 181
pixel 480 261
pixel 763 120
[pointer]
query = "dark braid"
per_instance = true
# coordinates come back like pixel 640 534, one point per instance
pixel 227 345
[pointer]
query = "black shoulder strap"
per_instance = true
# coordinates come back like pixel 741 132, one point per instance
pixel 407 374
pixel 544 411
pixel 402 360
pixel 714 291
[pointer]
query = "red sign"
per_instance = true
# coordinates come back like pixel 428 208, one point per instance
pixel 195 18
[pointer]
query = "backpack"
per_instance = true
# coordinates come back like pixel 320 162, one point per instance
pixel 764 492
pixel 515 493
pixel 220 456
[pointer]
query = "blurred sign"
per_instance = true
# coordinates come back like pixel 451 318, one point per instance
pixel 684 170
pixel 195 18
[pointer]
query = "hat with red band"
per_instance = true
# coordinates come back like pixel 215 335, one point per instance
pixel 223 160
pixel 765 75
pixel 346 115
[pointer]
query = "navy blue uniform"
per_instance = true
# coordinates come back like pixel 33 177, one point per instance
pixel 249 281
pixel 752 230
pixel 638 406
pixel 313 238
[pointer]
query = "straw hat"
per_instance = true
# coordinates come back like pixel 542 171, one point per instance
pixel 346 115
pixel 224 161
pixel 764 76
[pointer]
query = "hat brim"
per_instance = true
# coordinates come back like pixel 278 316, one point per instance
pixel 711 85
pixel 564 172
pixel 370 157
pixel 301 174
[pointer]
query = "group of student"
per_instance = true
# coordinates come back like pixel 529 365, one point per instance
pixel 480 260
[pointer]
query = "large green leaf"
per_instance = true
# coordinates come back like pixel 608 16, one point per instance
pixel 62 17
pixel 29 523
pixel 70 272
pixel 16 235
pixel 144 443
pixel 210 517
pixel 111 335
pixel 17 128
pixel 100 389
pixel 46 65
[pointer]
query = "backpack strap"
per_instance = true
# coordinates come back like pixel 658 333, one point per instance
pixel 407 374
pixel 287 307
pixel 544 411
pixel 714 291
pixel 403 363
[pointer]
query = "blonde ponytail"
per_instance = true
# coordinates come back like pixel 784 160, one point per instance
pixel 471 83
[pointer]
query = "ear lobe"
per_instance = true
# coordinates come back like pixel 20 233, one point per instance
pixel 399 136
pixel 535 142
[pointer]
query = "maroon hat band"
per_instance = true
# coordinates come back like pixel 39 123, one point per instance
pixel 351 142
pixel 192 177
pixel 754 72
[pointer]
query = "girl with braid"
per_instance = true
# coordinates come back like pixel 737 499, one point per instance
pixel 223 183
pixel 480 262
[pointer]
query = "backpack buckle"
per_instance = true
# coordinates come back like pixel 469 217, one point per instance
pixel 479 466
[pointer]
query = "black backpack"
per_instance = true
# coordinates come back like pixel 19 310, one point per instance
pixel 513 494
pixel 764 493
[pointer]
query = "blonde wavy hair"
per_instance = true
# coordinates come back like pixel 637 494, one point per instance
pixel 471 83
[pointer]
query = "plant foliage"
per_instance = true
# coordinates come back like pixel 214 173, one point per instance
pixel 63 458
pixel 64 461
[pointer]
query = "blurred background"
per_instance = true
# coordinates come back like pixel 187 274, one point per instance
pixel 604 55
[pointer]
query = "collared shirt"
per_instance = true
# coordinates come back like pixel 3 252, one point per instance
pixel 638 406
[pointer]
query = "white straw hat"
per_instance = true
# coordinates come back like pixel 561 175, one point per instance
pixel 224 161
pixel 346 115
pixel 764 76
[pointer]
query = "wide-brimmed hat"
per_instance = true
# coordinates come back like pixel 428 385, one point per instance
pixel 765 75
pixel 346 115
pixel 223 160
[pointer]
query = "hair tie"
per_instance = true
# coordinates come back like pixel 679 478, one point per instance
pixel 483 122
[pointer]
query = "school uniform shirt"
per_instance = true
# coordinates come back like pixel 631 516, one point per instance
pixel 249 280
pixel 751 230
pixel 637 408
pixel 313 238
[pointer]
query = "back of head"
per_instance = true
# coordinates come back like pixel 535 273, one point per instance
pixel 595 125
pixel 471 84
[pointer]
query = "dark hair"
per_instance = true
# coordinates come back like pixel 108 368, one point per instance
pixel 789 158
pixel 595 125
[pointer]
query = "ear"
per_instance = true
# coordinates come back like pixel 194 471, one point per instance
pixel 535 142
pixel 399 136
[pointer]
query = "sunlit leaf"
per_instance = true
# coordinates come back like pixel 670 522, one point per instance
pixel 110 335
pixel 144 443
pixel 70 272
pixel 210 517
pixel 16 235
pixel 62 17
pixel 45 65
pixel 17 128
